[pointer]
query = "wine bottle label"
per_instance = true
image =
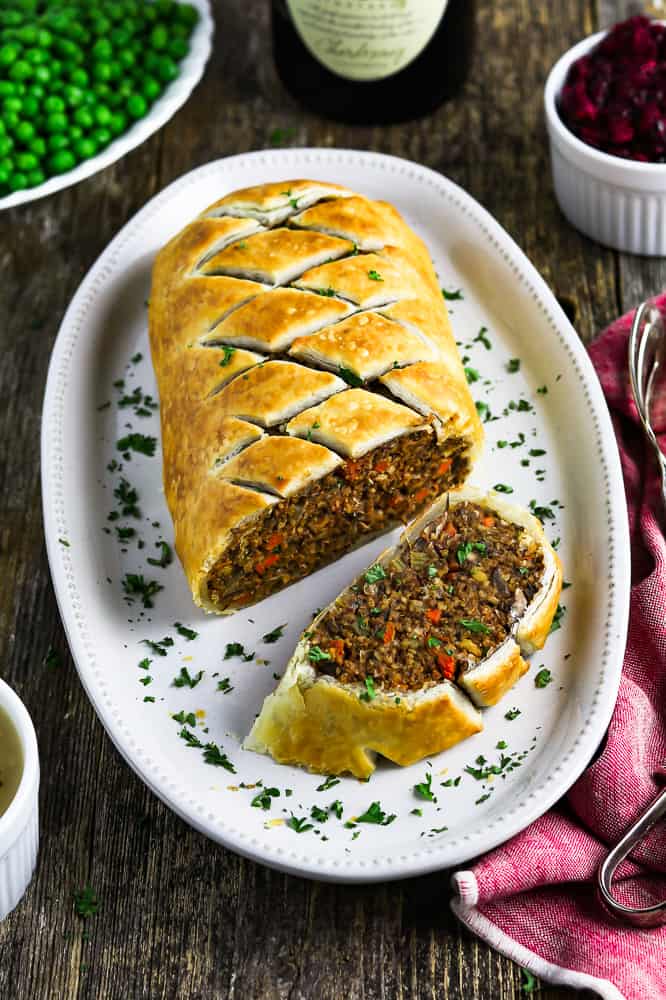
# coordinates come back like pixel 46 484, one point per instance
pixel 366 39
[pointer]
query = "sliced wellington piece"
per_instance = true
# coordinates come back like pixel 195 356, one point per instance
pixel 311 391
pixel 438 628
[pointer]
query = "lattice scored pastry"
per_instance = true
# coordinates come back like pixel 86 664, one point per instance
pixel 402 660
pixel 311 391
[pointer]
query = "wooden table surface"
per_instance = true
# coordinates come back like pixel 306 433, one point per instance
pixel 179 916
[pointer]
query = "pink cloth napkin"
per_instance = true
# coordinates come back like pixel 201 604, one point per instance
pixel 533 898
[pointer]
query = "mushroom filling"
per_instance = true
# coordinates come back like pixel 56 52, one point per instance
pixel 358 500
pixel 443 603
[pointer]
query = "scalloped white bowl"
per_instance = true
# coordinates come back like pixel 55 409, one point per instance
pixel 173 98
pixel 620 203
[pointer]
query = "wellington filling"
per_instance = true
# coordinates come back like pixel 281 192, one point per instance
pixel 357 501
pixel 444 602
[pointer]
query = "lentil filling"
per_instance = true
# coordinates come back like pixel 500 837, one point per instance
pixel 443 603
pixel 355 502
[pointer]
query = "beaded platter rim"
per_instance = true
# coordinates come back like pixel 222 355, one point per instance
pixel 175 95
pixel 62 562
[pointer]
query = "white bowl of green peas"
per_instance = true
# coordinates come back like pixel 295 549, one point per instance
pixel 82 82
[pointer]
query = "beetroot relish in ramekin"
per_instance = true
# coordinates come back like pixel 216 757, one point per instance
pixel 614 96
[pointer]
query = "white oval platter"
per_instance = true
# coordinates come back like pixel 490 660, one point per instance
pixel 552 405
pixel 174 96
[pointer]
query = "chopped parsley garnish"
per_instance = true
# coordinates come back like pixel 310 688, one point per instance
pixel 63 541
pixel 165 558
pixel 86 903
pixel 159 647
pixel 543 678
pixel 512 714
pixel 185 679
pixel 474 625
pixel 375 275
pixel 328 292
pixel 502 488
pixel 140 443
pixel 537 452
pixel 187 633
pixel 557 620
pixel 375 814
pixel 315 654
pixel 133 400
pixel 264 798
pixel 145 663
pixel 124 534
pixel 416 812
pixel 375 573
pixel 329 783
pixel 482 337
pixel 145 680
pixel 228 355
pixel 241 245
pixel 424 788
pixel 451 781
pixel 482 799
pixel 432 571
pixel 513 365
pixel 501 745
pixel 528 985
pixel 185 717
pixel 471 374
pixel 149 698
pixel 275 634
pixel 350 377
pixel 237 649
pixel 136 358
pixel 319 814
pixel 128 497
pixel 543 513
pixel 433 642
pixel 484 412
pixel 542 390
pixel 314 427
pixel 465 550
pixel 452 296
pixel 299 825
pixel 190 738
pixel 370 693
pixel 336 808
pixel 522 406
pixel 224 685
pixel 134 585
pixel 213 755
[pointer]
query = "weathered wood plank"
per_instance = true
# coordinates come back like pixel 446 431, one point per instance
pixel 179 916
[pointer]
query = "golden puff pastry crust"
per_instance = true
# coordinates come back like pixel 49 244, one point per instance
pixel 301 312
pixel 316 721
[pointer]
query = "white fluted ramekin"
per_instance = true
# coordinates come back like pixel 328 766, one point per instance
pixel 620 203
pixel 19 826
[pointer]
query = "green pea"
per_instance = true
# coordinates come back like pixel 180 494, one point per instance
pixel 4 176
pixel 167 69
pixel 187 14
pixel 30 107
pixel 120 37
pixel 151 60
pixel 6 145
pixel 102 137
pixel 42 74
pixel 115 11
pixel 36 91
pixel 62 161
pixel 12 104
pixel 178 48
pixel 8 54
pixel 44 38
pixel 36 177
pixel 55 66
pixel 84 148
pixel 75 132
pixel 151 88
pixel 136 106
pixel 52 104
pixel 20 70
pixel 84 117
pixel 56 123
pixel 103 115
pixel 115 99
pixel 24 131
pixel 37 146
pixel 36 56
pixel 79 77
pixel 102 71
pixel 11 119
pixel 159 37
pixel 57 142
pixel 118 123
pixel 10 17
pixel 72 95
pixel 26 161
pixel 79 34
pixel 6 163
pixel 18 182
pixel 100 25
pixel 28 34
pixel 7 88
pixel 127 59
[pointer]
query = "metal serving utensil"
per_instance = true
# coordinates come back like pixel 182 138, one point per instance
pixel 647 363
pixel 647 360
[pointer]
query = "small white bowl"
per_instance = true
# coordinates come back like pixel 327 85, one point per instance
pixel 620 203
pixel 19 825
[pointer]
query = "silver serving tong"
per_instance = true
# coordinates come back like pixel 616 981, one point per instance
pixel 647 363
